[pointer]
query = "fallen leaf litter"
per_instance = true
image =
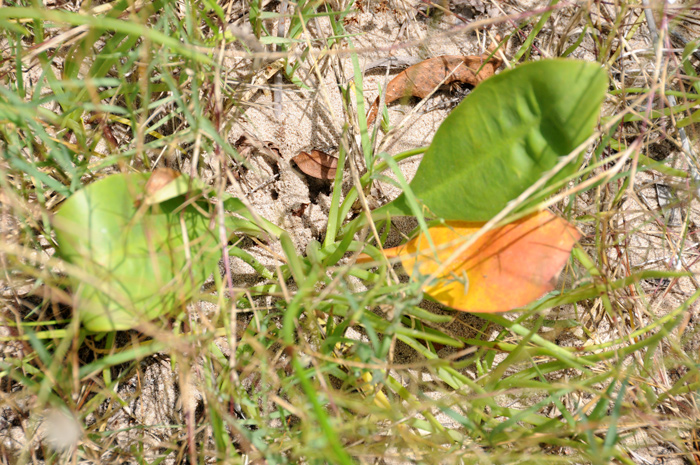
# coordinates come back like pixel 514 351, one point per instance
pixel 423 78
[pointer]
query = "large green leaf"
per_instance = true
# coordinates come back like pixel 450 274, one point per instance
pixel 501 139
pixel 140 261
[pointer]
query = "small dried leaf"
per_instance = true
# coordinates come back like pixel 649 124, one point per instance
pixel 299 212
pixel 505 269
pixel 317 164
pixel 109 136
pixel 159 178
pixel 246 146
pixel 421 79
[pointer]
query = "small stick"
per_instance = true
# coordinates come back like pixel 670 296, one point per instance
pixel 269 181
pixel 277 96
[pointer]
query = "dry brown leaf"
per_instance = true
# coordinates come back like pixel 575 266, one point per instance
pixel 159 179
pixel 299 212
pixel 246 146
pixel 317 164
pixel 421 79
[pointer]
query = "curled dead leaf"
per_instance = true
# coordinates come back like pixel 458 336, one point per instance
pixel 247 146
pixel 159 179
pixel 421 79
pixel 317 164
pixel 506 268
pixel 299 212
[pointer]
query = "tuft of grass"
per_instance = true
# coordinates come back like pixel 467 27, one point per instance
pixel 324 360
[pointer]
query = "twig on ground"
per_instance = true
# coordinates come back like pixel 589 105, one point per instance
pixel 278 77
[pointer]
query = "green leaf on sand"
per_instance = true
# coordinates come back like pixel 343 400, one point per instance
pixel 510 130
pixel 144 260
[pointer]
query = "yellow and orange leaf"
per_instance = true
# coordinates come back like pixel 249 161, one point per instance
pixel 505 269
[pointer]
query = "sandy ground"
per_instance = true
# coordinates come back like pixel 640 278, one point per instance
pixel 313 119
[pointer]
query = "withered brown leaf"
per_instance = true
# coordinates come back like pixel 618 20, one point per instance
pixel 247 145
pixel 422 78
pixel 299 212
pixel 159 179
pixel 109 136
pixel 317 164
